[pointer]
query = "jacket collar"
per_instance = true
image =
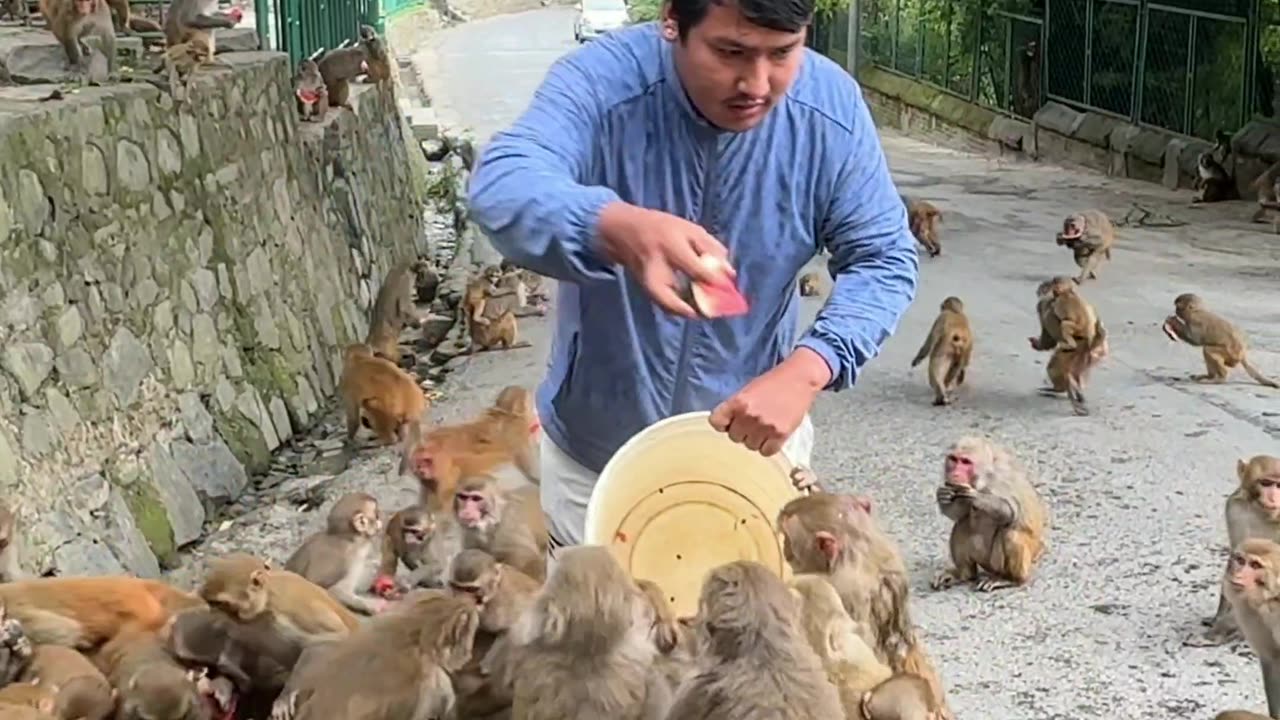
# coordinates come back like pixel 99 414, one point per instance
pixel 671 79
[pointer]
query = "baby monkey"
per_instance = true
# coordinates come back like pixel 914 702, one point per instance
pixel 1224 345
pixel 1090 235
pixel 948 347
pixel 310 91
pixel 335 558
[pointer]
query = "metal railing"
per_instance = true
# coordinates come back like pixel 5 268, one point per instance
pixel 1188 66
pixel 300 27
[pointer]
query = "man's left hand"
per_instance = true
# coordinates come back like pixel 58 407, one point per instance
pixel 763 414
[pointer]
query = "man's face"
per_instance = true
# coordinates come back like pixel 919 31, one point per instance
pixel 734 71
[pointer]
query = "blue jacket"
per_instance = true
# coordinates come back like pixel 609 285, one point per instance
pixel 611 121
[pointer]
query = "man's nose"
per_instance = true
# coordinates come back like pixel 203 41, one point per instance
pixel 755 80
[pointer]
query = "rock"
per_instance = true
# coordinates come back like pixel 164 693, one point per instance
pixel 181 503
pixel 124 365
pixel 63 413
pixel 280 418
pixel 86 556
pixel 29 363
pixel 33 204
pixel 205 347
pixel 435 328
pixel 212 469
pixel 38 436
pixel 249 403
pixel 132 166
pixel 126 541
pixel 195 418
pixel 76 368
pixel 69 327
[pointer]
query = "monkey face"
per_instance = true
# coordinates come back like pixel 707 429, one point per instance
pixel 1266 490
pixel 415 533
pixel 960 470
pixel 472 508
pixel 1246 571
pixel 86 7
pixel 1073 228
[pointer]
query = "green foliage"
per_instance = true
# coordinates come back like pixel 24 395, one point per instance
pixel 644 10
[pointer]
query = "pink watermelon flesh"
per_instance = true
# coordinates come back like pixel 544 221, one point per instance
pixel 720 299
pixel 236 14
pixel 308 96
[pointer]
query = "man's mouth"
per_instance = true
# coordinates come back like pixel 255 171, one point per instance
pixel 747 107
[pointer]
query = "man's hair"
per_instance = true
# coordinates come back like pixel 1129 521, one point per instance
pixel 781 15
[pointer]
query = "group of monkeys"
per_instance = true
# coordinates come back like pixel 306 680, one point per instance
pixel 322 80
pixel 1216 184
pixel 1069 325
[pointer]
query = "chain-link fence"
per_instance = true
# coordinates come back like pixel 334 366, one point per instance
pixel 1190 66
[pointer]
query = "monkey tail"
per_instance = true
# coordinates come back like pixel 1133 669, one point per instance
pixel 1259 377
pixel 1107 253
pixel 924 351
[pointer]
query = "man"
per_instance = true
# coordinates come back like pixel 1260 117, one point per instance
pixel 713 131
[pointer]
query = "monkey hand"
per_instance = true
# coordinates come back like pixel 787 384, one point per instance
pixel 768 410
pixel 653 246
pixel 1167 327
pixel 1035 342
pixel 805 480
pixel 384 586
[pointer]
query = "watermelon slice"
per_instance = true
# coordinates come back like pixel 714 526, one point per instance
pixel 721 298
pixel 1169 331
pixel 385 587
pixel 236 13
pixel 309 97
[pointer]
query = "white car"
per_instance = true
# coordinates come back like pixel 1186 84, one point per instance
pixel 597 17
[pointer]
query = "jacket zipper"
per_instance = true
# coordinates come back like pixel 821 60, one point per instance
pixel 705 218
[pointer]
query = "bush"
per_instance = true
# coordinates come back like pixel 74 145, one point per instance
pixel 644 10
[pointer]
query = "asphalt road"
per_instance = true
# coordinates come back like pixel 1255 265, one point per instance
pixel 1135 490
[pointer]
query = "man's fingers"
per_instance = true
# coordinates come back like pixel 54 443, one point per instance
pixel 704 243
pixel 683 257
pixel 668 299
pixel 771 447
pixel 721 416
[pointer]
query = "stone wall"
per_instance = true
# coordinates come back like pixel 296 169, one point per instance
pixel 1060 134
pixel 176 284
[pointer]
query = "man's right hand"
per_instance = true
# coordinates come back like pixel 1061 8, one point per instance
pixel 653 245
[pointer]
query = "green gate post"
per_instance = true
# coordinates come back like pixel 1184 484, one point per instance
pixel 855 37
pixel 262 21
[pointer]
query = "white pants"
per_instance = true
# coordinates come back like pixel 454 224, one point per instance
pixel 567 486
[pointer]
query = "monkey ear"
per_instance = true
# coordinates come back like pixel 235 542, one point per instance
pixel 827 544
pixel 258 578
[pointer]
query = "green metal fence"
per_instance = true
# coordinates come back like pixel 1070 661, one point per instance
pixel 300 27
pixel 1189 66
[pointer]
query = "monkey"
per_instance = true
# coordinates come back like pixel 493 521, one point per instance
pixel 70 21
pixel 79 688
pixel 28 695
pixel 520 301
pixel 393 309
pixel 15 649
pixel 302 612
pixel 427 283
pixel 746 612
pixel 179 62
pixel 851 665
pixel 338 67
pixel 584 650
pixel 901 697
pixel 1268 198
pixel 487 333
pixel 1251 585
pixel 1069 326
pixel 673 637
pixel 150 682
pixel 810 284
pixel 312 97
pixel 506 433
pixel 923 218
pixel 502 593
pixel 532 280
pixel 948 347
pixel 377 389
pixel 17 10
pixel 397 666
pixel 423 540
pixel 252 655
pixel 311 663
pixel 507 524
pixel 1026 80
pixel 999 519
pixel 84 612
pixel 1090 236
pixel 1252 511
pixel 185 17
pixel 1212 179
pixel 1225 346
pixel 837 537
pixel 10 546
pixel 335 557
pixel 378 63
pixel 131 22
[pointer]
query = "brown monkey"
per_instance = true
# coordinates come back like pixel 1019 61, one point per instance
pixel 532 280
pixel 335 557
pixel 507 524
pixel 179 62
pixel 1212 179
pixel 1251 585
pixel 28 696
pixel 810 284
pixel 1252 511
pixel 15 649
pixel 923 218
pixel 851 665
pixel 424 540
pixel 487 333
pixel 310 666
pixel 397 666
pixel 745 612
pixel 1070 327
pixel 674 638
pixel 71 20
pixel 1090 236
pixel 338 67
pixel 502 593
pixel 379 390
pixel 378 62
pixel 584 650
pixel 17 10
pixel 519 300
pixel 185 17
pixel 901 697
pixel 253 655
pixel 311 95
pixel 505 434
pixel 1225 346
pixel 10 546
pixel 393 309
pixel 84 612
pixel 835 536
pixel 131 22
pixel 948 347
pixel 150 682
pixel 1000 520
pixel 79 688
pixel 302 612
pixel 1268 197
